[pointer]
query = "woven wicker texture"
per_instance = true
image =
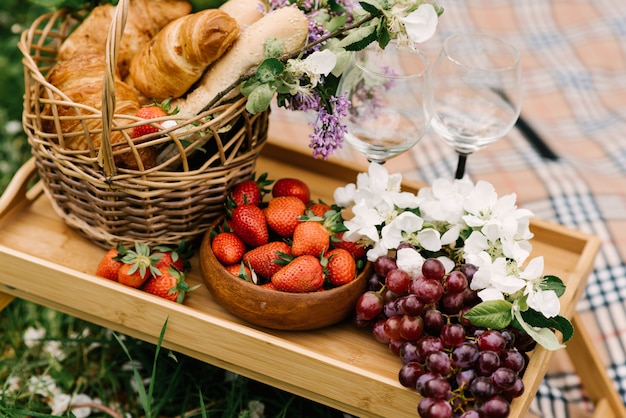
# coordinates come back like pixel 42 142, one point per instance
pixel 200 158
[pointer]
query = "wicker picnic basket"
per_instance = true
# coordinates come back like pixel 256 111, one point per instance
pixel 176 200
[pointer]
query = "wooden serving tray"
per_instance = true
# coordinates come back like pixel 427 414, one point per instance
pixel 44 261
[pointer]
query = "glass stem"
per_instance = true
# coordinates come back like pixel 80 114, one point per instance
pixel 460 167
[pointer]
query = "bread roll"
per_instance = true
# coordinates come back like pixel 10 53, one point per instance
pixel 287 24
pixel 80 79
pixel 145 19
pixel 176 58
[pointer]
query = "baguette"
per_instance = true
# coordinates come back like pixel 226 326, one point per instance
pixel 287 24
pixel 145 19
pixel 245 12
pixel 177 56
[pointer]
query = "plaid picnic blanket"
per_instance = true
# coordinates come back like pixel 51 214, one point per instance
pixel 573 55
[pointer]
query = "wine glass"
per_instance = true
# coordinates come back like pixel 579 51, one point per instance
pixel 388 93
pixel 477 92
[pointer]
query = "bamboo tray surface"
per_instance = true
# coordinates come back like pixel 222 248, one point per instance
pixel 44 261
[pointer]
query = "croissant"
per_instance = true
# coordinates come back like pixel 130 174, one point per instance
pixel 144 20
pixel 176 58
pixel 80 78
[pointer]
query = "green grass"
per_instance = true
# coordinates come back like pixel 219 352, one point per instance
pixel 81 358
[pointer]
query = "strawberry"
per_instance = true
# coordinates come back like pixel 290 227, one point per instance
pixel 251 192
pixel 248 222
pixel 148 112
pixel 292 187
pixel 228 248
pixel 139 265
pixel 282 214
pixel 110 263
pixel 269 285
pixel 340 267
pixel 240 270
pixel 170 285
pixel 357 250
pixel 267 259
pixel 303 274
pixel 173 256
pixel 318 209
pixel 310 237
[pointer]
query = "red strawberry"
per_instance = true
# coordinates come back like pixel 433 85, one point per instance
pixel 110 263
pixel 303 274
pixel 170 285
pixel 310 237
pixel 173 256
pixel 139 265
pixel 283 214
pixel 266 259
pixel 292 187
pixel 269 285
pixel 354 248
pixel 240 270
pixel 340 267
pixel 148 112
pixel 248 222
pixel 250 192
pixel 318 209
pixel 228 248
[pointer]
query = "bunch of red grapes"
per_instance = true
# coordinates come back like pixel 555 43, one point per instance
pixel 461 371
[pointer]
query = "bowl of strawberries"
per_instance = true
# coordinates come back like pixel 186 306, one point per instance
pixel 281 262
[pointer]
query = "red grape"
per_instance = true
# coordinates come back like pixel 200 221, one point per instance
pixel 398 280
pixel 433 269
pixel 384 264
pixel 369 305
pixel 411 327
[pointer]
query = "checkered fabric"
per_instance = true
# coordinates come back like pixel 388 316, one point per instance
pixel 574 71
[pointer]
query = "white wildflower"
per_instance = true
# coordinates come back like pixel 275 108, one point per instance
pixel 32 336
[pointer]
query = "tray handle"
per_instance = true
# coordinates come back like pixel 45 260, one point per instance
pixel 17 192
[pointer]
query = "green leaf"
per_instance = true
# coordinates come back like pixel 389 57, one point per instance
pixel 335 23
pixel 384 37
pixel 371 6
pixel 269 70
pixel 273 48
pixel 544 336
pixel 260 98
pixel 553 283
pixel 361 37
pixel 560 323
pixel 494 314
pixel 248 86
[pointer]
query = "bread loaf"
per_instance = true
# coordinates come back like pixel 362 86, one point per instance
pixel 168 65
pixel 145 19
pixel 245 12
pixel 288 25
pixel 80 78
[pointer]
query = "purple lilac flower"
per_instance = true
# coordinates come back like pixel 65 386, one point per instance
pixel 303 102
pixel 328 131
pixel 316 31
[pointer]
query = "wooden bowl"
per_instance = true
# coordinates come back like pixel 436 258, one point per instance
pixel 275 309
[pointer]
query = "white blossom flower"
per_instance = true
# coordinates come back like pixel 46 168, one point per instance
pixel 410 261
pixel 544 301
pixel 421 24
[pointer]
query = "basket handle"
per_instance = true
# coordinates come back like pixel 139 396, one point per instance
pixel 116 30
